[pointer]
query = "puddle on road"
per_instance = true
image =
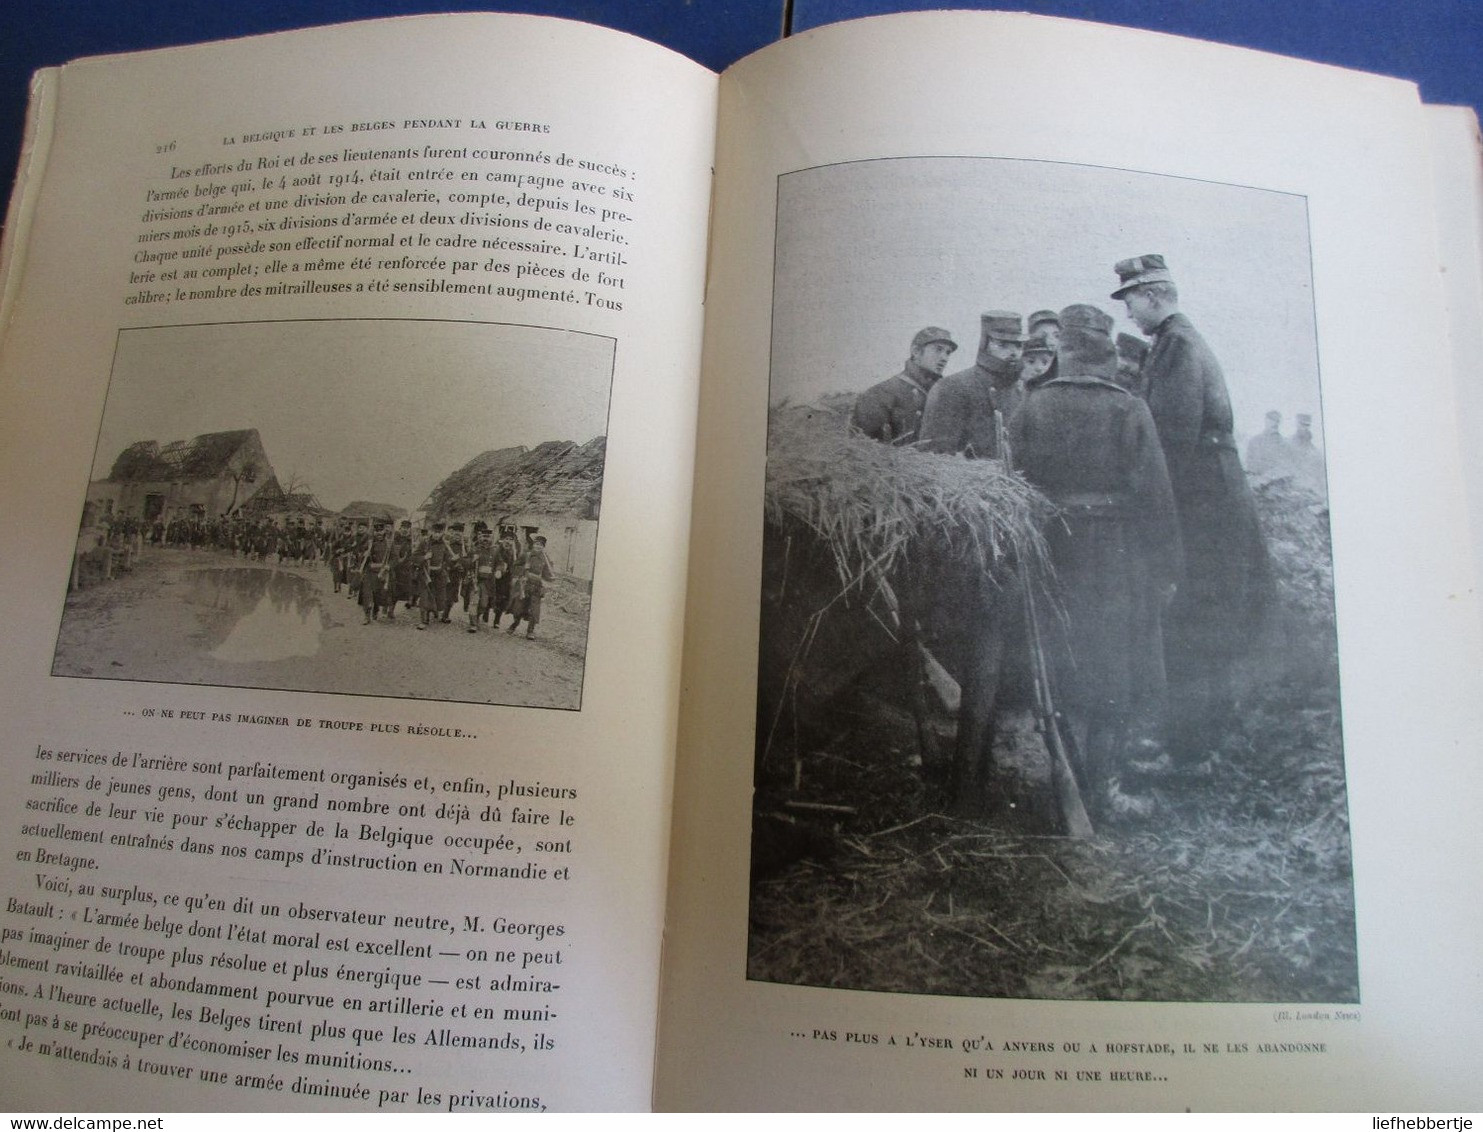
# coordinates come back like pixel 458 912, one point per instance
pixel 263 614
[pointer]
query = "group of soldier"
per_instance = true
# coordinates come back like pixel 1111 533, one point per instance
pixel 1161 574
pixel 1269 453
pixel 431 569
pixel 294 539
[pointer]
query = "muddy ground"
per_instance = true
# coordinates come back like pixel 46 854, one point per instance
pixel 207 617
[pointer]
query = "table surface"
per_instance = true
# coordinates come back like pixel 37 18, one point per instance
pixel 1436 43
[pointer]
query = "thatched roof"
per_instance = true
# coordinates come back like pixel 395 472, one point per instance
pixel 202 457
pixel 872 503
pixel 558 477
pixel 364 509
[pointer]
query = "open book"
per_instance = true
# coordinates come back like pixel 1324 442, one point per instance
pixel 461 657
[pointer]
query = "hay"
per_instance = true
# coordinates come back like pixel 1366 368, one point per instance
pixel 874 505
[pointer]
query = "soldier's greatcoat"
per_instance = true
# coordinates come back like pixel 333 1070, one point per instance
pixel 1227 576
pixel 1090 446
pixel 891 410
pixel 959 416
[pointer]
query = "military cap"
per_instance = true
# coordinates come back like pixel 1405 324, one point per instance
pixel 455 526
pixel 1084 316
pixel 439 526
pixel 1275 417
pixel 1132 348
pixel 362 522
pixel 480 525
pixel 406 522
pixel 1042 316
pixel 1003 325
pixel 506 529
pixel 929 334
pixel 1305 420
pixel 540 539
pixel 1039 344
pixel 379 523
pixel 1139 270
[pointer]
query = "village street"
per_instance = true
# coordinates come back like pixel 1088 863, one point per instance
pixel 209 617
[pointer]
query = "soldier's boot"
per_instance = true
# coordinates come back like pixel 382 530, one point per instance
pixel 530 633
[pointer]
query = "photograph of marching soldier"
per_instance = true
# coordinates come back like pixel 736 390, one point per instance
pixel 284 505
pixel 1048 685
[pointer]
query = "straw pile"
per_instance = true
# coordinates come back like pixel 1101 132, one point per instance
pixel 874 505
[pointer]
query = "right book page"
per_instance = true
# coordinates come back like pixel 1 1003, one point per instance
pixel 1235 606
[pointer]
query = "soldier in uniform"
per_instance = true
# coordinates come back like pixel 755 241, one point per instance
pixel 483 561
pixel 435 562
pixel 1045 324
pixel 1039 357
pixel 1092 448
pixel 1306 459
pixel 536 571
pixel 891 410
pixel 375 572
pixel 354 554
pixel 1225 593
pixel 1267 450
pixel 959 416
pixel 507 559
pixel 399 583
pixel 456 572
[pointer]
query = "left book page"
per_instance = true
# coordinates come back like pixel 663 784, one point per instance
pixel 350 383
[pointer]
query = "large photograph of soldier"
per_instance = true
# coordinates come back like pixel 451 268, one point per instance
pixel 390 508
pixel 1048 699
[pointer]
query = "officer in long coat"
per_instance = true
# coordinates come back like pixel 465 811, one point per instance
pixel 959 416
pixel 1227 582
pixel 1091 447
pixel 891 410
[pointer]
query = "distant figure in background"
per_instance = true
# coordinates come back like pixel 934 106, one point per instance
pixel 1227 586
pixel 1306 459
pixel 960 409
pixel 1267 452
pixel 891 411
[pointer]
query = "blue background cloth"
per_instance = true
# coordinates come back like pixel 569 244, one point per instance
pixel 1437 43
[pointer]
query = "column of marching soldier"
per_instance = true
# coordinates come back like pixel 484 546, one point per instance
pixel 1161 568
pixel 433 569
pixel 428 570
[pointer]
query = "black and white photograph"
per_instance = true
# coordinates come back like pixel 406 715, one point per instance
pixel 1048 679
pixel 400 508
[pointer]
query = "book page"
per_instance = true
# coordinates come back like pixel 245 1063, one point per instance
pixel 966 819
pixel 350 380
pixel 1458 167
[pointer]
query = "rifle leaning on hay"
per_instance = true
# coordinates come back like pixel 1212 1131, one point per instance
pixel 1049 722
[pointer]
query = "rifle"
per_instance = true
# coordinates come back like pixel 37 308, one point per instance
pixel 1048 720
